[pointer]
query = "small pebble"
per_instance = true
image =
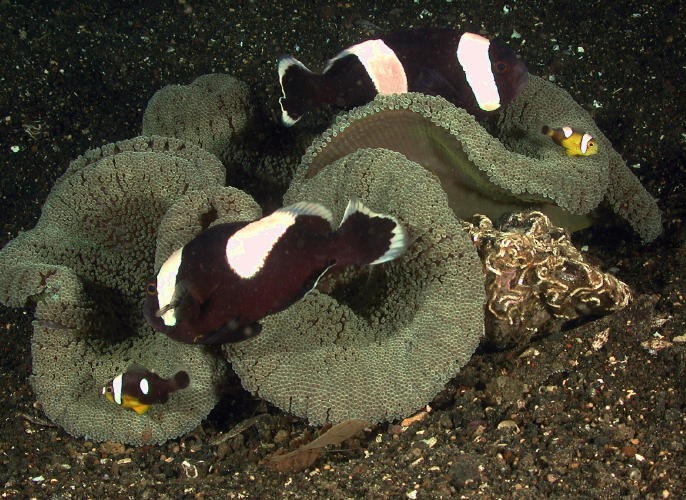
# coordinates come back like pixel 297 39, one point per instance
pixel 281 436
pixel 446 421
pixel 112 448
pixel 509 425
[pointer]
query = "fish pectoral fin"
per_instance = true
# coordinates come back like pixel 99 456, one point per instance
pixel 141 409
pixel 251 330
pixel 163 310
pixel 232 331
pixel 431 82
pixel 133 403
pixel 186 302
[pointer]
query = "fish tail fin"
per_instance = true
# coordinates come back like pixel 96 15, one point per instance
pixel 367 237
pixel 181 380
pixel 546 130
pixel 299 88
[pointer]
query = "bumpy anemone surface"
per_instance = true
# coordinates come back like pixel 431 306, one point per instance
pixel 85 266
pixel 517 169
pixel 383 340
pixel 210 112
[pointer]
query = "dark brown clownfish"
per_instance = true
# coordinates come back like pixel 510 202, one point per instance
pixel 218 286
pixel 138 388
pixel 469 70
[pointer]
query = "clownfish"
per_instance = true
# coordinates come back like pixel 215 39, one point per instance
pixel 469 70
pixel 138 388
pixel 575 143
pixel 218 286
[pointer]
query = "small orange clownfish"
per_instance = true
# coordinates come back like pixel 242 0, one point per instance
pixel 575 143
pixel 138 388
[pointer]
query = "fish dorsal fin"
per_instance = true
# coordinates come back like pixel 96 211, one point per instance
pixel 309 208
pixel 136 367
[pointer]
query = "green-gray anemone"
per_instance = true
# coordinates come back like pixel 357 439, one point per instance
pixel 517 169
pixel 85 265
pixel 383 340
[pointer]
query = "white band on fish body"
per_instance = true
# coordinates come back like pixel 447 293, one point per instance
pixel 144 386
pixel 382 65
pixel 472 54
pixel 248 248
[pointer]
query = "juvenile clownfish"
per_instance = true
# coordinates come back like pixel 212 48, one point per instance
pixel 218 286
pixel 138 388
pixel 469 70
pixel 575 143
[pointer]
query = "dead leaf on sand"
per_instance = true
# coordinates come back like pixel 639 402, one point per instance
pixel 307 454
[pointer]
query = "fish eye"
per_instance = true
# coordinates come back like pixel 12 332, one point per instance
pixel 151 288
pixel 501 67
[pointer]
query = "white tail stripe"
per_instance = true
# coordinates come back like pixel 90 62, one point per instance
pixel 399 240
pixel 284 64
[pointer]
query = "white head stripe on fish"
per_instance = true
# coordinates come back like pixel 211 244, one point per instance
pixel 116 388
pixel 381 63
pixel 472 54
pixel 585 139
pixel 144 386
pixel 567 131
pixel 166 284
pixel 248 248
